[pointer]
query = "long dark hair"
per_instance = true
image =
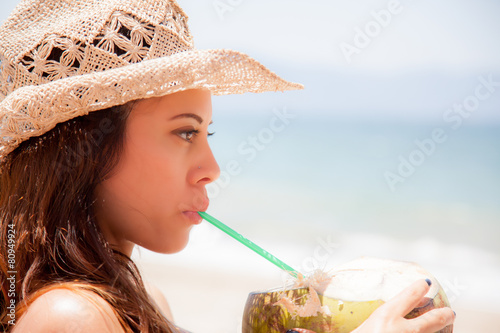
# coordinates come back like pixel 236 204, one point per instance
pixel 49 234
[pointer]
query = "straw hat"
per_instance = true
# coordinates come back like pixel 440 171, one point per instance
pixel 61 59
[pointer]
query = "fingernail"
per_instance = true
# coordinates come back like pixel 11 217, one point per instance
pixel 429 282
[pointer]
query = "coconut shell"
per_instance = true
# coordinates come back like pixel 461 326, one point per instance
pixel 343 302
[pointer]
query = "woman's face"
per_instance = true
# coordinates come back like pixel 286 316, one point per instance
pixel 152 196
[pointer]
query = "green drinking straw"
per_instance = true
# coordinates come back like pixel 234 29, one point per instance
pixel 248 243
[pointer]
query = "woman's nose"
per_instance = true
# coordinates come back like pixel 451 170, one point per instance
pixel 208 169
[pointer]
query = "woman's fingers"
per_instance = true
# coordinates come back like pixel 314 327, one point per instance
pixel 408 299
pixel 433 320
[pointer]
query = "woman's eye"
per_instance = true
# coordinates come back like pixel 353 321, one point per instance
pixel 188 135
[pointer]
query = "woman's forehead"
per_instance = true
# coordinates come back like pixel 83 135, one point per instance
pixel 193 103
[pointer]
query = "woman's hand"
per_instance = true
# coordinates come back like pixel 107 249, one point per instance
pixel 390 317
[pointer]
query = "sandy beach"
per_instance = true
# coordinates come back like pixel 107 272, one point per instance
pixel 211 301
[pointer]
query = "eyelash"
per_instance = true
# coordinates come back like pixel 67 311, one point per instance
pixel 194 133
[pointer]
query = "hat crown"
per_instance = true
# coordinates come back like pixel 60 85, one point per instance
pixel 43 41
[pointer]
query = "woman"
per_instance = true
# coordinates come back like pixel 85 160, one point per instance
pixel 105 114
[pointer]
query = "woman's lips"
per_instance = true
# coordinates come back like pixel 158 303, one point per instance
pixel 193 216
pixel 191 211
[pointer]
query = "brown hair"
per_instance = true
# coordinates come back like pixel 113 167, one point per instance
pixel 48 232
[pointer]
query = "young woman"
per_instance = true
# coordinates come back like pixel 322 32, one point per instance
pixel 105 114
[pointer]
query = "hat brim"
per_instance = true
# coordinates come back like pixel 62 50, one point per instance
pixel 33 110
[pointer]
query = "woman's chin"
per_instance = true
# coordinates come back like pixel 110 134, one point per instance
pixel 169 246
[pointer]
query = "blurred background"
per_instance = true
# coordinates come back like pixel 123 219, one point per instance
pixel 391 150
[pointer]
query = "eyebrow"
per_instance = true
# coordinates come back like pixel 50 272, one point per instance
pixel 188 115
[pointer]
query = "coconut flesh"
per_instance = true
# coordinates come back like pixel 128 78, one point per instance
pixel 338 300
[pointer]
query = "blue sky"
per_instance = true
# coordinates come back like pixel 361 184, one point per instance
pixel 455 35
pixel 420 60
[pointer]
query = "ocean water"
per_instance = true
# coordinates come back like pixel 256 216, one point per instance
pixel 313 190
pixel 361 176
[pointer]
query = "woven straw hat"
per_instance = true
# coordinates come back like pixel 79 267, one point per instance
pixel 65 58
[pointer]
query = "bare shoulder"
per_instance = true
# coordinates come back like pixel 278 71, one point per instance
pixel 64 310
pixel 160 300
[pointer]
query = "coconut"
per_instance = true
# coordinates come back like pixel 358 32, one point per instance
pixel 340 300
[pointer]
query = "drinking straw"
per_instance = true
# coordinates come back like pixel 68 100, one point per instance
pixel 248 243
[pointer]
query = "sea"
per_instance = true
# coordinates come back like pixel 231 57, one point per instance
pixel 317 191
